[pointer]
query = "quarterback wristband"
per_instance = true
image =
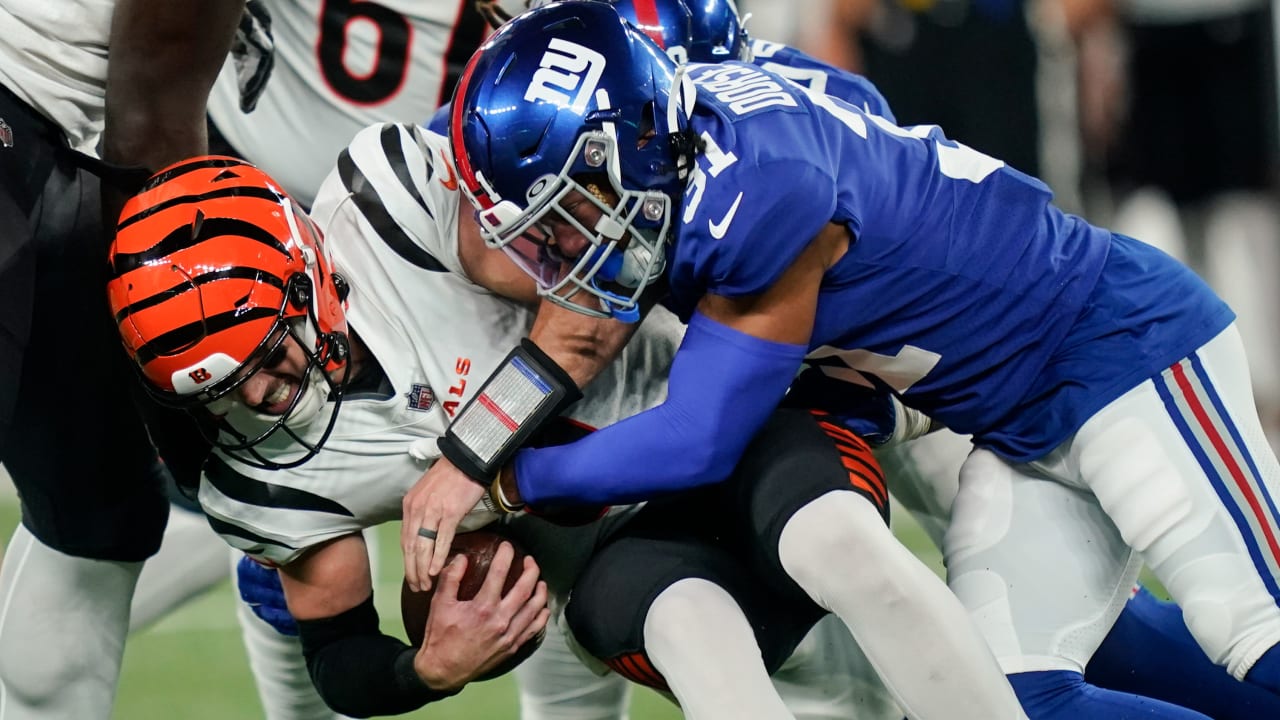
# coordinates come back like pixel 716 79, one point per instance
pixel 526 391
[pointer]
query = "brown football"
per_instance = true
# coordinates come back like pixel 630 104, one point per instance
pixel 479 546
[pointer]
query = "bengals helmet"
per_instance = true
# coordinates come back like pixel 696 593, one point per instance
pixel 212 268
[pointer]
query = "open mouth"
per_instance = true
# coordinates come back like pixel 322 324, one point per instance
pixel 278 400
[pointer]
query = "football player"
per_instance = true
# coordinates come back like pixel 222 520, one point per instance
pixel 131 79
pixel 1102 382
pixel 340 66
pixel 333 67
pixel 1149 643
pixel 419 330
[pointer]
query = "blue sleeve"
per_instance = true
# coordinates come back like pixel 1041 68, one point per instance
pixel 724 385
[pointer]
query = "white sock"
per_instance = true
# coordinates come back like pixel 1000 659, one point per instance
pixel 912 628
pixel 63 622
pixel 698 638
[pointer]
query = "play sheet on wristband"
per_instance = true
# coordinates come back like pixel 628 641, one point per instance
pixel 510 398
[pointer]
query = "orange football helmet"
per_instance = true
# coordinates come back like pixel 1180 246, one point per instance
pixel 213 266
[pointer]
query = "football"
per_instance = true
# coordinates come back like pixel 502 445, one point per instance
pixel 479 546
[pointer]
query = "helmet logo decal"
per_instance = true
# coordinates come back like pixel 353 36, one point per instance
pixel 566 66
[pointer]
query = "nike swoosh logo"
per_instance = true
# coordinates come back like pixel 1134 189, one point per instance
pixel 719 229
pixel 450 183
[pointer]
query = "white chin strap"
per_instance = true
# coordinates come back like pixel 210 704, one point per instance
pixel 681 97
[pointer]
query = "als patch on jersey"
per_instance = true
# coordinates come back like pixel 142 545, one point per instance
pixel 421 397
pixel 6 134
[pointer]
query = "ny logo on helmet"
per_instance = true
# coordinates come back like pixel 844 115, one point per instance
pixel 567 66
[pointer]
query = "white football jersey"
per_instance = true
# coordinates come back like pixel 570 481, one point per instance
pixel 340 66
pixel 53 56
pixel 389 212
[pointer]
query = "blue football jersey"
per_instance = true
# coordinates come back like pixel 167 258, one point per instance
pixel 810 72
pixel 964 290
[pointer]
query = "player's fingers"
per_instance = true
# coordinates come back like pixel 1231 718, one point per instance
pixel 527 614
pixel 499 566
pixel 410 539
pixel 526 585
pixel 439 552
pixel 538 626
pixel 451 579
pixel 417 562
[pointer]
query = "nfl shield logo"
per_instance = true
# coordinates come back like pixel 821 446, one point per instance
pixel 6 134
pixel 421 398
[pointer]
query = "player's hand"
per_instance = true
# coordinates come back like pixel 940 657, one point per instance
pixel 464 639
pixel 260 589
pixel 441 498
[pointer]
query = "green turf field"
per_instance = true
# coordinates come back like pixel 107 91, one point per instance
pixel 191 665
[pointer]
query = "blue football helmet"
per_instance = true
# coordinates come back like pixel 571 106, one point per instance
pixel 717 33
pixel 570 97
pixel 706 31
pixel 667 22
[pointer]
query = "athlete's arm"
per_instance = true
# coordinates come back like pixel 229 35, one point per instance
pixel 735 364
pixel 581 345
pixel 359 671
pixel 164 59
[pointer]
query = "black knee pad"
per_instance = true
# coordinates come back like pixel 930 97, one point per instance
pixel 612 597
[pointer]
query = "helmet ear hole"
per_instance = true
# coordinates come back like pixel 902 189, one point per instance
pixel 647 125
pixel 300 291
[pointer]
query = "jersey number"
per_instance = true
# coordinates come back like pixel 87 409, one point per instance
pixel 391 53
pixel 957 161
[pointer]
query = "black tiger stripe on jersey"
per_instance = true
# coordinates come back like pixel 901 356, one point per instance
pixel 230 191
pixel 374 210
pixel 394 151
pixel 223 527
pixel 185 236
pixel 234 273
pixel 245 489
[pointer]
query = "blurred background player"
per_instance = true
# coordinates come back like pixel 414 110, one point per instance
pixel 1191 161
pixel 93 512
pixel 340 66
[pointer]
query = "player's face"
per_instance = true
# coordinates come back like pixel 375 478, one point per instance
pixel 277 382
pixel 567 239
